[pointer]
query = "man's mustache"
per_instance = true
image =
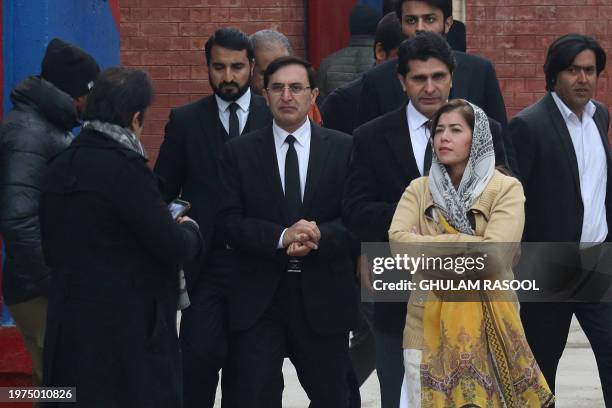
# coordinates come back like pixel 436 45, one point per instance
pixel 226 84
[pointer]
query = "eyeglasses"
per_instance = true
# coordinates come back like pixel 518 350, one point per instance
pixel 295 89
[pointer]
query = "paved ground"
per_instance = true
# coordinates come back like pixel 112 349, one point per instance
pixel 578 384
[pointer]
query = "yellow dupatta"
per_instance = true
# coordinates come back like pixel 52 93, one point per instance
pixel 477 353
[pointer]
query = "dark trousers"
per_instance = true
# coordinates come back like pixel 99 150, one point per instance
pixel 389 367
pixel 362 354
pixel 203 333
pixel 255 362
pixel 547 327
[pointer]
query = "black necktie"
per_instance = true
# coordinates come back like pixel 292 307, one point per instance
pixel 292 181
pixel 427 160
pixel 234 125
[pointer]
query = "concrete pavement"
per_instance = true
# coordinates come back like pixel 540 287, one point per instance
pixel 578 383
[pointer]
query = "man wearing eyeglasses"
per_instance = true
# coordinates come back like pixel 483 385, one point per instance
pixel 294 293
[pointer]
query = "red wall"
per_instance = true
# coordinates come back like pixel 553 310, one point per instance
pixel 516 34
pixel 166 38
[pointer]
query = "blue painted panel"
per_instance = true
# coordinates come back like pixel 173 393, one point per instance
pixel 30 25
pixel 5 318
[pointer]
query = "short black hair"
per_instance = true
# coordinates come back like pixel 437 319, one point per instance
pixel 421 47
pixel 446 6
pixel 389 32
pixel 363 20
pixel 564 50
pixel 117 95
pixel 281 62
pixel 230 38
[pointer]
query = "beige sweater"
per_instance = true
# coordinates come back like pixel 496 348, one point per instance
pixel 499 216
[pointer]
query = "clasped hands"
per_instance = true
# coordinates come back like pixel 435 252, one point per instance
pixel 301 238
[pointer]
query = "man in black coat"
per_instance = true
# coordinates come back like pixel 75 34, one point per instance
pixel 294 292
pixel 45 109
pixel 388 153
pixel 474 77
pixel 562 152
pixel 114 250
pixel 188 165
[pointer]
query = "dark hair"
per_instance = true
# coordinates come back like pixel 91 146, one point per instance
pixel 231 39
pixel 290 60
pixel 564 50
pixel 389 32
pixel 460 105
pixel 117 95
pixel 363 20
pixel 423 46
pixel 446 6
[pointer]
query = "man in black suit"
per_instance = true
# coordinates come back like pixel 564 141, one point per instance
pixel 388 153
pixel 188 165
pixel 562 151
pixel 474 77
pixel 340 107
pixel 294 292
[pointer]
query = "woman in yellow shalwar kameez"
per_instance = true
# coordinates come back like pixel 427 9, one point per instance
pixel 465 354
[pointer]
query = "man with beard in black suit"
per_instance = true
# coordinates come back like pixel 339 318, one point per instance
pixel 188 166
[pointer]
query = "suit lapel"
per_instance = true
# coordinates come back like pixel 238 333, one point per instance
pixel 254 108
pixel 564 136
pixel 319 150
pixel 600 122
pixel 269 162
pixel 398 137
pixel 211 125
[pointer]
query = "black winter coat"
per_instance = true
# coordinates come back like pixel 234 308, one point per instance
pixel 35 130
pixel 114 252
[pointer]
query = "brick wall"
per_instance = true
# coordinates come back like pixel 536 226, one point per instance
pixel 166 38
pixel 515 34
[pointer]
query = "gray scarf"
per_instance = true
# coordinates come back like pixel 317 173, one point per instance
pixel 455 203
pixel 119 134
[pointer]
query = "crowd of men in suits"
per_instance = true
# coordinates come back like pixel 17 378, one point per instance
pixel 283 200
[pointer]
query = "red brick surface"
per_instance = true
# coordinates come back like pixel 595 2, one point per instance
pixel 515 34
pixel 166 38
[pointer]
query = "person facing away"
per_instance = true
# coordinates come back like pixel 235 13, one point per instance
pixel 388 153
pixel 475 78
pixel 340 107
pixel 46 108
pixel 269 45
pixel 346 64
pixel 114 251
pixel 562 150
pixel 294 293
pixel 188 164
pixel 465 200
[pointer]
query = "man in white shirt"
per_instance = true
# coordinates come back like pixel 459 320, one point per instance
pixel 188 165
pixel 563 158
pixel 294 293
pixel 388 153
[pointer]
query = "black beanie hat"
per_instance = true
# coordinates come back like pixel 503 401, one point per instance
pixel 363 20
pixel 69 68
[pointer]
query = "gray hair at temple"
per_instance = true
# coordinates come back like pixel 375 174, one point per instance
pixel 270 39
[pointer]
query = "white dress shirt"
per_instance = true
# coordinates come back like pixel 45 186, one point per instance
pixel 592 169
pixel 419 134
pixel 243 110
pixel 302 148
